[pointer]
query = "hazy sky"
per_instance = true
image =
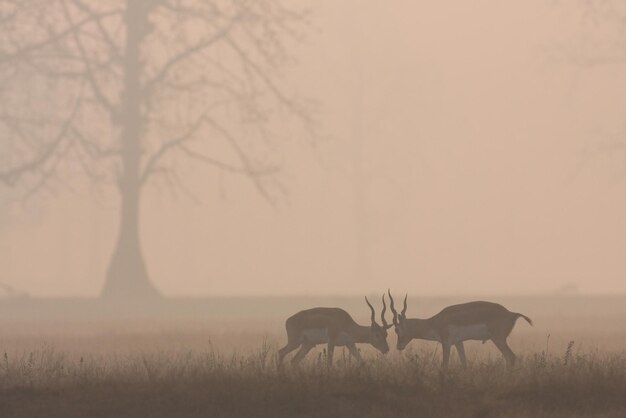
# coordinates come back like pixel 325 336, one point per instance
pixel 474 124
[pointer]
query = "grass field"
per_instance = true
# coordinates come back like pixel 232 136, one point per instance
pixel 218 366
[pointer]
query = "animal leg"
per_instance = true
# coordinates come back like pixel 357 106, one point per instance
pixel 460 349
pixel 506 351
pixel 331 351
pixel 291 345
pixel 304 350
pixel 446 354
pixel 354 352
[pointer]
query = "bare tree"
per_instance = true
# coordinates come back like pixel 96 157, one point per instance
pixel 125 91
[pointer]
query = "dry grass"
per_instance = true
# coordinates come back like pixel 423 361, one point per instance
pixel 191 383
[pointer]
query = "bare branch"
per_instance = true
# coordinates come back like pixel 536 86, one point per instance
pixel 47 173
pixel 154 159
pixel 187 53
pixel 95 87
pixel 106 36
pixel 93 149
pixel 250 170
pixel 288 103
pixel 225 166
pixel 12 176
pixel 23 51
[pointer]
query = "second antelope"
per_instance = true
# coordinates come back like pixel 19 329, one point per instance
pixel 480 321
pixel 335 327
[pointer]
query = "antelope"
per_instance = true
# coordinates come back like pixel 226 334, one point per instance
pixel 333 326
pixel 480 321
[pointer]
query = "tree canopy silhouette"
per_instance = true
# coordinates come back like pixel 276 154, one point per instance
pixel 125 91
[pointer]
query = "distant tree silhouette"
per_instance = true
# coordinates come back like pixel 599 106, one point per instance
pixel 123 91
pixel 603 33
pixel 601 42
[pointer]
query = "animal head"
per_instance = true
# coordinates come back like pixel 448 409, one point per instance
pixel 400 323
pixel 378 333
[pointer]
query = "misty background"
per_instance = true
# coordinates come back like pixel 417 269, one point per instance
pixel 462 148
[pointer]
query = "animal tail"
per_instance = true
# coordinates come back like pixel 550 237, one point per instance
pixel 519 315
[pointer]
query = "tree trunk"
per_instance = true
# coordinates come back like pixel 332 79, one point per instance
pixel 127 276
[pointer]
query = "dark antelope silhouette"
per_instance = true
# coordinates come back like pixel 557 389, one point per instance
pixel 335 327
pixel 457 323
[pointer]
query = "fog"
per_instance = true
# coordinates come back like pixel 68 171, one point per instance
pixel 459 149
